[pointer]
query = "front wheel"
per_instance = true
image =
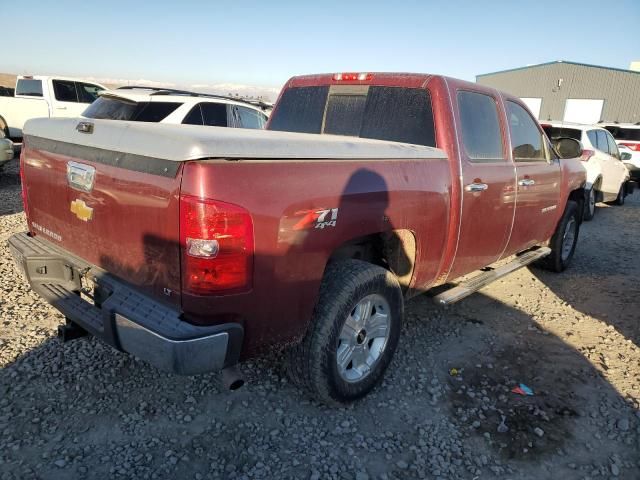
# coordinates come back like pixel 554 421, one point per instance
pixel 353 335
pixel 564 240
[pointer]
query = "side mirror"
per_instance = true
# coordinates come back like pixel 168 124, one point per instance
pixel 624 156
pixel 567 147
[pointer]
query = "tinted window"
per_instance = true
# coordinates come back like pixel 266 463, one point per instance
pixel 384 113
pixel 344 114
pixel 154 111
pixel 194 117
pixel 526 139
pixel 65 91
pixel 300 109
pixel 561 132
pixel 603 145
pixel 592 138
pixel 480 126
pixel 119 109
pixel 214 114
pixel 620 133
pixel 250 118
pixel 29 87
pixel 613 148
pixel 87 93
pixel 399 115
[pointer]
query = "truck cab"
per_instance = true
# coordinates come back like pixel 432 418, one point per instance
pixel 44 96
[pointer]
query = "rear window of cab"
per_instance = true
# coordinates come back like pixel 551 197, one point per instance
pixel 396 114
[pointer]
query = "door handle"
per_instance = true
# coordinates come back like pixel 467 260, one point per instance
pixel 61 108
pixel 476 187
pixel 526 182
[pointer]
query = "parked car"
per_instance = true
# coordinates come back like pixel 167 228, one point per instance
pixel 195 248
pixel 6 150
pixel 142 104
pixel 606 174
pixel 627 137
pixel 41 96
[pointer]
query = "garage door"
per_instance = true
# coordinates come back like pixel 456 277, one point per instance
pixel 534 105
pixel 583 110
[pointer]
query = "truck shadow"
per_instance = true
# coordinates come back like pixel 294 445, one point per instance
pixel 603 281
pixel 10 192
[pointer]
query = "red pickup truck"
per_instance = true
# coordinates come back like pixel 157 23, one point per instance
pixel 196 247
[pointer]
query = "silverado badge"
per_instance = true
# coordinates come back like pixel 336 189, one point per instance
pixel 81 210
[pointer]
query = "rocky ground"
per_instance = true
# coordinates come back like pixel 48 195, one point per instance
pixel 445 410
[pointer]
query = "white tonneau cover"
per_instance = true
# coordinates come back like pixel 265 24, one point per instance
pixel 192 142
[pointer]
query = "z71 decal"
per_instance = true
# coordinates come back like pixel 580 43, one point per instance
pixel 317 219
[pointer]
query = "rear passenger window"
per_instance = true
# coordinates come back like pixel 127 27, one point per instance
pixel 480 126
pixel 214 114
pixel 194 117
pixel 526 139
pixel 65 91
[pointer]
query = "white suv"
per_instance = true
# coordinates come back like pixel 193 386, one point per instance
pixel 606 174
pixel 627 137
pixel 159 105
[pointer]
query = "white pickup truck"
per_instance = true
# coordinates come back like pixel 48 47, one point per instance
pixel 40 96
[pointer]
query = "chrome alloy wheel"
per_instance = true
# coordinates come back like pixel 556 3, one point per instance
pixel 568 238
pixel 363 338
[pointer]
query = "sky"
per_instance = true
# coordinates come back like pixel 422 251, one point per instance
pixel 258 45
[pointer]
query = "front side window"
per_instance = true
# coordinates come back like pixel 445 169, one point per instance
pixel 526 139
pixel 481 134
pixel 622 133
pixel 29 87
pixel 613 148
pixel 603 144
pixel 250 118
pixel 593 137
pixel 65 91
pixel 87 92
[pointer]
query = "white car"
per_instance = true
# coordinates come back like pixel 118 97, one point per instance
pixel 40 96
pixel 160 105
pixel 627 136
pixel 607 176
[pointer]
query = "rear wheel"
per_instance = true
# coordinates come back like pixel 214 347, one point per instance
pixel 621 194
pixel 590 204
pixel 353 335
pixel 564 240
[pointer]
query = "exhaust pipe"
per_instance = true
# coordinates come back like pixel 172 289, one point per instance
pixel 70 331
pixel 232 378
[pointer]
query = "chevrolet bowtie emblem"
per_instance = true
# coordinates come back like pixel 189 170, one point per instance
pixel 81 210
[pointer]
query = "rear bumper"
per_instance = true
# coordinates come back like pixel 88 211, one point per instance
pixel 120 315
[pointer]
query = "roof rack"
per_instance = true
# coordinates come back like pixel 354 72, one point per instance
pixel 173 91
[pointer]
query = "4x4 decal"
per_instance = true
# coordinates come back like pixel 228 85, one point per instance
pixel 316 219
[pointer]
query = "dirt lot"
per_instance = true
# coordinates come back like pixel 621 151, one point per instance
pixel 82 410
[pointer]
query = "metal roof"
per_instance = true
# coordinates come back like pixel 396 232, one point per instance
pixel 555 62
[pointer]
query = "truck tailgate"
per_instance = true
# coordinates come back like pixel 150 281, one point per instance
pixel 117 211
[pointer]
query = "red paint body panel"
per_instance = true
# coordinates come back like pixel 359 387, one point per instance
pixel 456 231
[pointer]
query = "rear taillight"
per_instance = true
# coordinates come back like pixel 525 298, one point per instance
pixel 633 146
pixel 586 155
pixel 352 77
pixel 216 240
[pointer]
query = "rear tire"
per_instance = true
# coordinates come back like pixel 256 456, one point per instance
pixel 590 205
pixel 564 240
pixel 621 194
pixel 338 360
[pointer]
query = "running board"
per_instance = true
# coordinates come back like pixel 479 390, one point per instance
pixel 467 287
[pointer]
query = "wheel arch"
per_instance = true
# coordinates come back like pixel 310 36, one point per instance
pixel 394 250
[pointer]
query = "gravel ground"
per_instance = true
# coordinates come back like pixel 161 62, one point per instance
pixel 445 410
